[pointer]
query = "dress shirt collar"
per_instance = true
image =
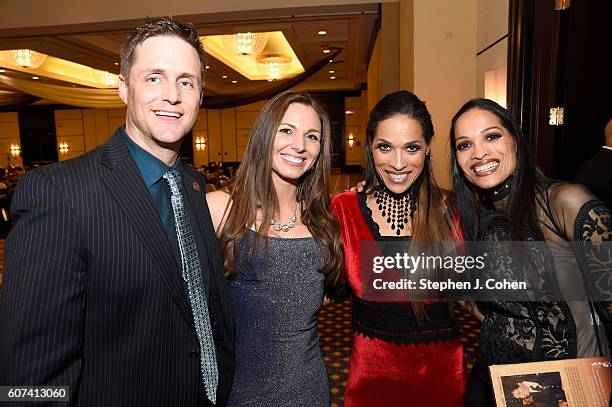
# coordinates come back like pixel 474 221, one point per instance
pixel 151 168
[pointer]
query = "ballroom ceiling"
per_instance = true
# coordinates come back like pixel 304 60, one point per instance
pixel 351 29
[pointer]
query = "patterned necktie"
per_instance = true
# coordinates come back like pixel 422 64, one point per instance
pixel 192 274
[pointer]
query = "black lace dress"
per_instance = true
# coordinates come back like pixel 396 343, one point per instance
pixel 556 322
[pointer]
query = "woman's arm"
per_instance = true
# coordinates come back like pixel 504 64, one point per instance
pixel 588 223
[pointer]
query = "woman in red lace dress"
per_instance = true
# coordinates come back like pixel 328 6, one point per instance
pixel 403 351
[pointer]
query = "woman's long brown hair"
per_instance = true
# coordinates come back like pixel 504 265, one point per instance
pixel 253 190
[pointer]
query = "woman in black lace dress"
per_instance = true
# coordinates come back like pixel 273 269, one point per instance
pixel 502 197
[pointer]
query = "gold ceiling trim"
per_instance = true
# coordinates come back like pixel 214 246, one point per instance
pixel 80 97
pixel 63 70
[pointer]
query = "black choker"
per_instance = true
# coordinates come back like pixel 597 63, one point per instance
pixel 499 192
pixel 395 207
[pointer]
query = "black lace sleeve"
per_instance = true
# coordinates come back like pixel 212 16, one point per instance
pixel 593 237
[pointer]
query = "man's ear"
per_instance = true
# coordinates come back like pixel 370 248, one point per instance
pixel 123 89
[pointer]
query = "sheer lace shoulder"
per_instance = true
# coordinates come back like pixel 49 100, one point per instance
pixel 569 195
pixel 561 202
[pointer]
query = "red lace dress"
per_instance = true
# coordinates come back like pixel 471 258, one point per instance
pixel 394 360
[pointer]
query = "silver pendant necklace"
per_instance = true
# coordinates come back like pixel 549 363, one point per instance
pixel 279 227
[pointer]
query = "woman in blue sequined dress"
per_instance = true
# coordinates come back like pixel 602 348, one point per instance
pixel 280 243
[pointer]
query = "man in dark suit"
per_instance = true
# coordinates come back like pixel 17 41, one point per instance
pixel 114 283
pixel 595 173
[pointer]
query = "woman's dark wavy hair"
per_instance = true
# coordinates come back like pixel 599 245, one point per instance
pixel 522 202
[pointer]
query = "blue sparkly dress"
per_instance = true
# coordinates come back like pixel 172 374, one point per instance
pixel 276 296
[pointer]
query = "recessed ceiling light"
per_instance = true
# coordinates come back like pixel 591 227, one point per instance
pixel 224 76
pixel 207 67
pixel 2 70
pixel 331 60
pixel 326 51
pixel 332 77
pixel 73 85
pixel 234 81
pixel 322 32
pixel 332 71
pixel 348 112
pixel 35 77
pixel 116 63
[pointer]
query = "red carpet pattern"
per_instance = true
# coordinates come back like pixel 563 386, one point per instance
pixel 336 333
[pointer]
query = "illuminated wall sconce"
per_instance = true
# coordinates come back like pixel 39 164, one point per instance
pixel 63 148
pixel 200 144
pixel 15 150
pixel 495 87
pixel 351 141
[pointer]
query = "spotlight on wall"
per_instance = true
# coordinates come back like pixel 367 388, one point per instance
pixel 15 150
pixel 63 148
pixel 200 144
pixel 351 141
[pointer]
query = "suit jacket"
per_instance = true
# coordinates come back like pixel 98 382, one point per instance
pixel 93 296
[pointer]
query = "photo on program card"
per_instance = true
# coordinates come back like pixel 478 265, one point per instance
pixel 582 382
pixel 538 389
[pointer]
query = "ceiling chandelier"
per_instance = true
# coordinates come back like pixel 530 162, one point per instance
pixel 26 58
pixel 248 43
pixel 274 66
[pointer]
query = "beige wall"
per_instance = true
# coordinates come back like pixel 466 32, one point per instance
pixel 492 64
pixel 431 46
pixel 9 135
pixel 444 68
pixel 384 68
pixel 84 129
pixel 373 76
pixel 492 21
pixel 355 126
pixel 225 132
pixel 406 44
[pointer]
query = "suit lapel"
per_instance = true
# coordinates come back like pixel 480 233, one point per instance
pixel 197 197
pixel 124 182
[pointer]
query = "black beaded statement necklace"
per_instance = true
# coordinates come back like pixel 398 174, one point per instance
pixel 395 208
